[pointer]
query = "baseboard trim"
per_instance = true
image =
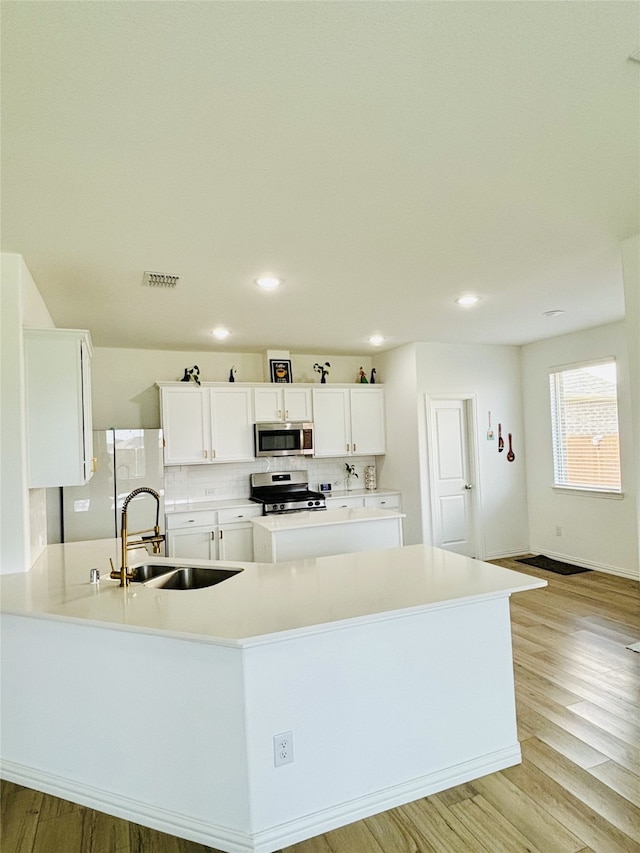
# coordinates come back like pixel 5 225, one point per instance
pixel 273 838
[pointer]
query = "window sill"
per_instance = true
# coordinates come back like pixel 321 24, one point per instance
pixel 588 493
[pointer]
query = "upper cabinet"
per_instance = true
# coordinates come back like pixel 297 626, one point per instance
pixel 203 425
pixel 348 421
pixel 213 422
pixel 274 403
pixel 58 407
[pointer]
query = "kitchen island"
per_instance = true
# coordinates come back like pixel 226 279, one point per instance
pixel 298 535
pixel 390 671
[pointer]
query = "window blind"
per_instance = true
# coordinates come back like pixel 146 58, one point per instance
pixel 584 427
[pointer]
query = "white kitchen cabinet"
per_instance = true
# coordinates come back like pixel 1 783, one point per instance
pixel 346 502
pixel 383 501
pixel 185 425
pixel 348 421
pixel 204 425
pixel 276 403
pixel 231 411
pixel 224 534
pixel 58 407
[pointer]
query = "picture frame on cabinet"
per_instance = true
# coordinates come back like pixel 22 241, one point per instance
pixel 280 370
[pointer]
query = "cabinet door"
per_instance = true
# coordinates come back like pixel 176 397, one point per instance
pixel 58 407
pixel 267 403
pixel 192 544
pixel 235 542
pixel 297 404
pixel 332 429
pixel 184 423
pixel 231 424
pixel 367 422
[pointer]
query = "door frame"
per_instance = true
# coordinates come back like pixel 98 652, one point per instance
pixel 469 401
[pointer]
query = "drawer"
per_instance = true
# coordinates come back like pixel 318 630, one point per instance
pixel 195 518
pixel 383 501
pixel 344 503
pixel 239 513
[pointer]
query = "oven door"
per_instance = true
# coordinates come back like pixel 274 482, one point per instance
pixel 284 439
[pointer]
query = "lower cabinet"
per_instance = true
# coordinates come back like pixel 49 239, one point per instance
pixel 225 534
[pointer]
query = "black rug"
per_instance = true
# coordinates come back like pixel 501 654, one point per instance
pixel 542 562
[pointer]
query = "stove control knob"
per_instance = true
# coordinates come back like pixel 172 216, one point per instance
pixel 281 506
pixel 274 507
pixel 317 503
pixel 310 503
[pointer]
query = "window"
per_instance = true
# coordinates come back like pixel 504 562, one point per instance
pixel 584 424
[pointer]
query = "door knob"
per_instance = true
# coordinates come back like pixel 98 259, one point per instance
pixel 468 485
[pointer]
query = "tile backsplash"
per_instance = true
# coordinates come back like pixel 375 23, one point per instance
pixel 230 480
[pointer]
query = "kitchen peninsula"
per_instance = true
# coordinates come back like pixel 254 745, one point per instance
pixel 163 706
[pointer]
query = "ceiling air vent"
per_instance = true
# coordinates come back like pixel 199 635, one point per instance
pixel 160 279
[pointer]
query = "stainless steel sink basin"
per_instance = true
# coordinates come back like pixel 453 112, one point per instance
pixel 151 570
pixel 179 576
pixel 194 577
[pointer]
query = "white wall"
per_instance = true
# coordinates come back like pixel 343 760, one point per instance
pixel 398 468
pixel 124 392
pixel 492 375
pixel 597 532
pixel 23 529
pixel 631 274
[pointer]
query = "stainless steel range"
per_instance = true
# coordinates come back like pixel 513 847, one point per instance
pixel 285 491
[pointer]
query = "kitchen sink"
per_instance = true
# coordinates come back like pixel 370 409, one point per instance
pixel 179 576
pixel 147 571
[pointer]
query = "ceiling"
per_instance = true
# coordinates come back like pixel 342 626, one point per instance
pixel 383 158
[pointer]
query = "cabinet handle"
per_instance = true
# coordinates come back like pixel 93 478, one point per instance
pixel 354 448
pixel 347 448
pixel 206 455
pixel 94 464
pixel 213 454
pixel 279 414
pixel 239 516
pixel 213 534
pixel 286 415
pixel 221 534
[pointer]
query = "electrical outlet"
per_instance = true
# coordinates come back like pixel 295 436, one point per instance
pixel 558 530
pixel 283 749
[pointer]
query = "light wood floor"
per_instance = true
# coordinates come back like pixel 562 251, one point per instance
pixel 577 789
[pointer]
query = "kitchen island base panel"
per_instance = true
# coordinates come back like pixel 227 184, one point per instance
pixel 178 734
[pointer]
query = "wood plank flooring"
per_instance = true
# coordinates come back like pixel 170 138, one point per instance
pixel 576 790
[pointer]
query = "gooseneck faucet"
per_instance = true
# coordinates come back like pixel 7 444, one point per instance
pixel 123 573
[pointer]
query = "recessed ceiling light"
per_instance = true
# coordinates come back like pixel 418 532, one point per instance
pixel 221 333
pixel 268 282
pixel 376 340
pixel 555 313
pixel 467 300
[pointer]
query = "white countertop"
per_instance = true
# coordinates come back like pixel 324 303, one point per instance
pixel 263 603
pixel 322 518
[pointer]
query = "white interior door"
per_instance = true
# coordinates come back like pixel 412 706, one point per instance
pixel 452 487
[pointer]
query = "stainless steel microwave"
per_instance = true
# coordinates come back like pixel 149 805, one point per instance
pixel 284 439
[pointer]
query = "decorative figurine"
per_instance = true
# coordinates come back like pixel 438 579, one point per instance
pixel 363 378
pixel 373 376
pixel 322 369
pixel 231 376
pixel 191 373
pixel 351 473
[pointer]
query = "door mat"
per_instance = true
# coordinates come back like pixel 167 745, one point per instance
pixel 542 562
